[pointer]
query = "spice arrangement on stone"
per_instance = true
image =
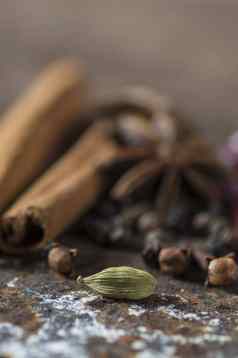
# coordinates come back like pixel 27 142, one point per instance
pixel 139 177
pixel 166 188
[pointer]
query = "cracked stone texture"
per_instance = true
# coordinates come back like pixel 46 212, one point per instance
pixel 188 50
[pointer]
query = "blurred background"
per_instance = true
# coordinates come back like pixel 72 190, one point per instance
pixel 187 49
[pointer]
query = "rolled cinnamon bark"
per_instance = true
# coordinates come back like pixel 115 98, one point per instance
pixel 73 183
pixel 32 130
pixel 60 195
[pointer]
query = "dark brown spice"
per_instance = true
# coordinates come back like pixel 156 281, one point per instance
pixel 167 165
pixel 110 224
pixel 60 259
pixel 200 259
pixel 220 240
pixel 162 157
pixel 152 247
pixel 180 215
pixel 201 222
pixel 148 221
pixel 222 271
pixel 174 261
pixel 189 166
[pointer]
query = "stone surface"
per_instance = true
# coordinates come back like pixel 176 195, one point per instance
pixel 46 315
pixel 186 49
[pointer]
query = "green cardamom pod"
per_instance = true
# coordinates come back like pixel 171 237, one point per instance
pixel 121 282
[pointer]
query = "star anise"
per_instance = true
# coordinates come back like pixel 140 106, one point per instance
pixel 159 151
pixel 132 111
pixel 183 167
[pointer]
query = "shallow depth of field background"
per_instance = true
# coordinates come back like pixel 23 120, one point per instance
pixel 187 49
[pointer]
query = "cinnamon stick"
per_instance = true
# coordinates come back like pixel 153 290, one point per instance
pixel 32 130
pixel 60 195
pixel 74 182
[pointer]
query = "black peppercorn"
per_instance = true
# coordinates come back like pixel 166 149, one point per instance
pixel 220 238
pixel 151 250
pixel 200 223
pixel 148 221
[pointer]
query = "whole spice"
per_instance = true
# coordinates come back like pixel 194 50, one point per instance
pixel 122 283
pixel 147 105
pixel 122 227
pixel 163 157
pixel 74 181
pixel 60 259
pixel 200 223
pixel 180 214
pixel 33 128
pixel 152 247
pixel 110 224
pixel 200 259
pixel 148 222
pixel 143 118
pixel 60 196
pixel 229 154
pixel 174 261
pixel 165 161
pixel 189 166
pixel 220 240
pixel 222 271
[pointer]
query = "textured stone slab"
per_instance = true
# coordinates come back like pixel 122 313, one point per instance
pixel 45 315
